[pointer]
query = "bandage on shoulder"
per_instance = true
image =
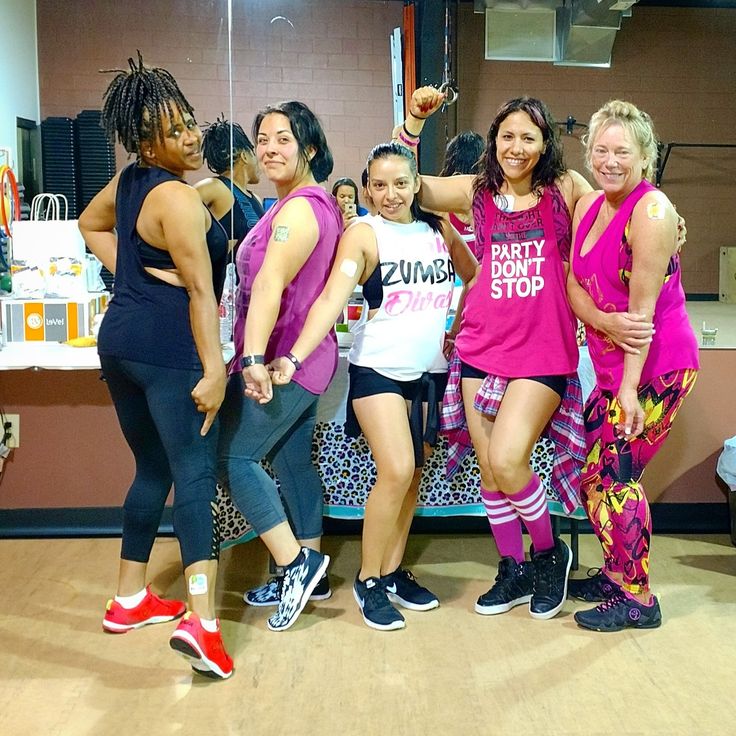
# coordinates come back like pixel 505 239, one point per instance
pixel 655 211
pixel 281 233
pixel 348 267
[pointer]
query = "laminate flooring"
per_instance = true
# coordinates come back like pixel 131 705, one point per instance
pixel 450 671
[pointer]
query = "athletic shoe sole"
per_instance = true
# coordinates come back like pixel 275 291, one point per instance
pixel 618 628
pixel 501 607
pixel 114 628
pixel 554 611
pixel 273 604
pixel 305 596
pixel 396 598
pixel 393 626
pixel 183 643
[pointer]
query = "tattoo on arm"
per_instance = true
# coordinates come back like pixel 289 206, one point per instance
pixel 281 234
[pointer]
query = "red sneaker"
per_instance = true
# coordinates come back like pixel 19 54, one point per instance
pixel 203 650
pixel 151 610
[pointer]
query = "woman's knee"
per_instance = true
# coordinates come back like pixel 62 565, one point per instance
pixel 506 468
pixel 396 474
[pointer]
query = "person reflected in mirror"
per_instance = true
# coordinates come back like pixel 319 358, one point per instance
pixel 160 353
pixel 228 195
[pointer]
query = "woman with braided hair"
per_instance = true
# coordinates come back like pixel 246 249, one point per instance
pixel 227 195
pixel 160 353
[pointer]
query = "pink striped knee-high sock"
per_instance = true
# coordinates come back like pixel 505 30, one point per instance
pixel 531 504
pixel 505 524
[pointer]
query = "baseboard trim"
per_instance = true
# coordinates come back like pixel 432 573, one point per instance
pixel 702 297
pixel 667 518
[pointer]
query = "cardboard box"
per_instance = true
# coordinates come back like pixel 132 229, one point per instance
pixel 50 320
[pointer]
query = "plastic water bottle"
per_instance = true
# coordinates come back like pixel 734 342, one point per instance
pixel 227 305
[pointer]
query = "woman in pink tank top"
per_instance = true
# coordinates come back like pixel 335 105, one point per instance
pixel 625 286
pixel 513 376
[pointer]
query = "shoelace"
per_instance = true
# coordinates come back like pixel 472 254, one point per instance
pixel 375 597
pixel 611 602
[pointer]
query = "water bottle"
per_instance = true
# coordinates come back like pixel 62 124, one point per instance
pixel 227 305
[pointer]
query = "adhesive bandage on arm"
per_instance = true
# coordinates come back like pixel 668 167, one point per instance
pixel 349 267
pixel 281 233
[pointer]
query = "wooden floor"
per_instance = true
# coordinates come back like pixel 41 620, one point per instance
pixel 449 672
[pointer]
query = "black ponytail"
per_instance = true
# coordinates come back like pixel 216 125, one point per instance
pixel 384 150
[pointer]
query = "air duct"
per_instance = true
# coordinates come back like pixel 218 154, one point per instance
pixel 572 33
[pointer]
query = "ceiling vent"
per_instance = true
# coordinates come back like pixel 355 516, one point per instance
pixel 572 33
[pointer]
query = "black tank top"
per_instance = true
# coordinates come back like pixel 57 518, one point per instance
pixel 244 214
pixel 147 319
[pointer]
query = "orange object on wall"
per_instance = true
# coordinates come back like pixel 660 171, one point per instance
pixel 410 56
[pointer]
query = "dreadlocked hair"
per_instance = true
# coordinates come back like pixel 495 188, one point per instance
pixel 216 144
pixel 135 102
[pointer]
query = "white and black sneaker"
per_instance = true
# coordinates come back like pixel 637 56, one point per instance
pixel 301 577
pixel 375 606
pixel 551 569
pixel 514 585
pixel 269 594
pixel 402 588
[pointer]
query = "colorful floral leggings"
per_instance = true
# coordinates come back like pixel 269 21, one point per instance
pixel 611 489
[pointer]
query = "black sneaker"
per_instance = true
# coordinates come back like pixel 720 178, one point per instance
pixel 300 579
pixel 402 588
pixel 593 589
pixel 514 585
pixel 551 569
pixel 375 606
pixel 269 594
pixel 619 613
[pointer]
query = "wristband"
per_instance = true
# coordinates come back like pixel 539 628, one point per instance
pixel 248 360
pixel 411 135
pixel 408 142
pixel 297 363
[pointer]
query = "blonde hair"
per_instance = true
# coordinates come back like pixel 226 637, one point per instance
pixel 638 124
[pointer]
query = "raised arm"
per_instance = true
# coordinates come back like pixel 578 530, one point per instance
pixel 97 225
pixel 184 225
pixel 463 260
pixel 653 241
pixel 294 234
pixel 356 259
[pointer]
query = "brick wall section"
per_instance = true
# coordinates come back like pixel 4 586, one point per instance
pixel 331 54
pixel 334 55
pixel 678 65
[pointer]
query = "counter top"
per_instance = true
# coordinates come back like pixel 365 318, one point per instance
pixel 57 356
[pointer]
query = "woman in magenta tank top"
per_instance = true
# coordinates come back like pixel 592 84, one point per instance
pixel 513 376
pixel 625 286
pixel 283 265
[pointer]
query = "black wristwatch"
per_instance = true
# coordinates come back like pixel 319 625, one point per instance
pixel 248 360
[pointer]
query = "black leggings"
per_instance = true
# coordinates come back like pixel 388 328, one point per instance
pixel 161 426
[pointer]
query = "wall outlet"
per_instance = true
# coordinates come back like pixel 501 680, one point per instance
pixel 13 430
